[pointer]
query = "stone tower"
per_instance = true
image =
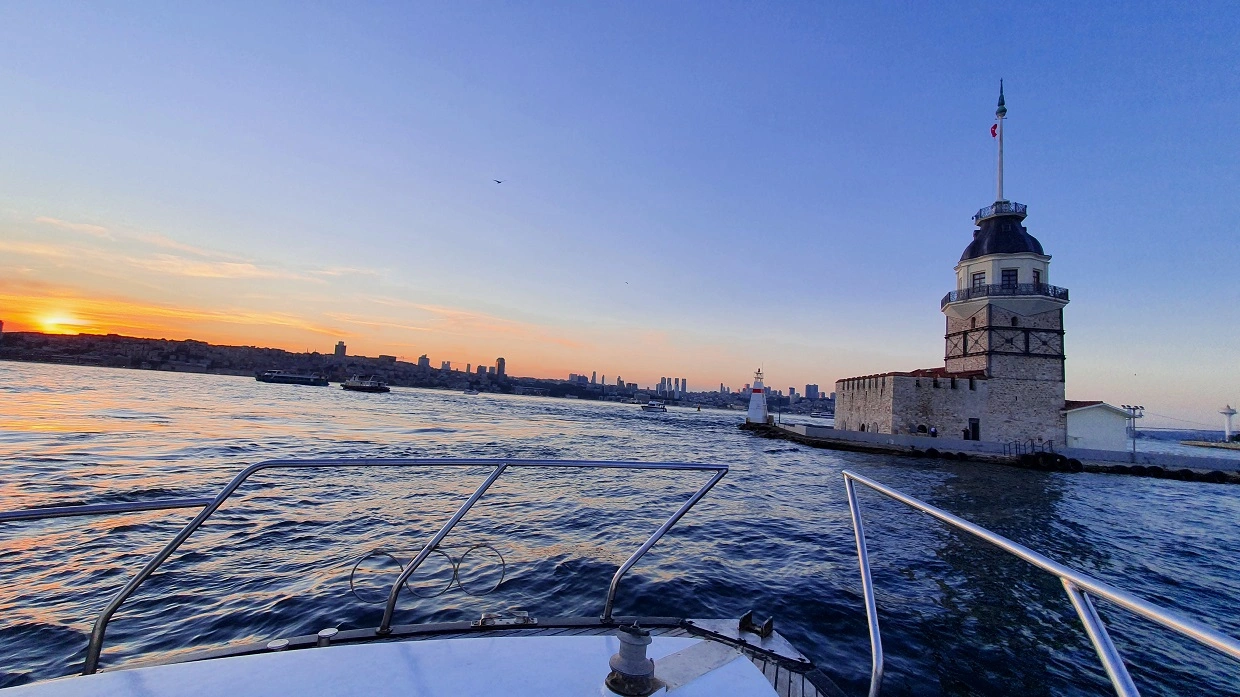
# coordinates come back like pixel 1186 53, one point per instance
pixel 1005 320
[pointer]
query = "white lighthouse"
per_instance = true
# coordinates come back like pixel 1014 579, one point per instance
pixel 757 401
pixel 1227 413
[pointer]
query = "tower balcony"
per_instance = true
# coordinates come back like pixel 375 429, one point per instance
pixel 999 208
pixel 1035 290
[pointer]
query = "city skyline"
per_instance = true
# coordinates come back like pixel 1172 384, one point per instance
pixel 695 191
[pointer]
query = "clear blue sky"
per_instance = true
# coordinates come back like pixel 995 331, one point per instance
pixel 689 189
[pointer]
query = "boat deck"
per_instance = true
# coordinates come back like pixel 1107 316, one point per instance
pixel 563 656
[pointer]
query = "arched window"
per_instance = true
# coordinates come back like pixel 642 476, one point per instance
pixel 922 429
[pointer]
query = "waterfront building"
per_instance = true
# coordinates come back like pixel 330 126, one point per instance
pixel 684 386
pixel 340 349
pixel 811 392
pixel 423 361
pixel 1095 424
pixel 1003 374
pixel 482 370
pixel 445 365
pixel 500 367
pixel 1227 413
pixel 757 401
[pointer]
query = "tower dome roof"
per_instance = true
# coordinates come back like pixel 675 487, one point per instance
pixel 1001 234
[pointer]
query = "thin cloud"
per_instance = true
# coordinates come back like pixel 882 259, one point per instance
pixel 85 228
pixel 173 265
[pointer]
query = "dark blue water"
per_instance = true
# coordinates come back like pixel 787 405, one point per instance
pixel 958 618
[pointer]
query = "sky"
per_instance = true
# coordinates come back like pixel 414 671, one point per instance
pixel 689 189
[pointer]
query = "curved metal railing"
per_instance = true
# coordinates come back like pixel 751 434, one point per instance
pixel 1077 585
pixel 95 647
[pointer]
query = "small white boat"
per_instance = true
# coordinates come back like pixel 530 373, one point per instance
pixel 654 405
pixel 369 383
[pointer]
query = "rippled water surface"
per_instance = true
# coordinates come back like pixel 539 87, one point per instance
pixel 774 535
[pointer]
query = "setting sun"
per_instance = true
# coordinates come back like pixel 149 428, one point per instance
pixel 62 324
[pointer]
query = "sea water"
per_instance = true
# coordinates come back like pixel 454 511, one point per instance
pixel 774 536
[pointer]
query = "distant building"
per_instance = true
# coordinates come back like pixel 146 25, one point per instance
pixel 811 392
pixel 423 361
pixel 500 367
pixel 387 359
pixel 490 370
pixel 469 368
pixel 445 365
pixel 684 386
pixel 1096 425
pixel 572 377
pixel 340 349
pixel 593 377
pixel 482 370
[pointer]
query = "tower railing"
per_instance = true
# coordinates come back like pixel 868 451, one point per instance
pixel 1005 290
pixel 1000 208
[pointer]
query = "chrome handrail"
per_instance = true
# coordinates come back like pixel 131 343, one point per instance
pixel 95 647
pixel 99 509
pixel 1077 585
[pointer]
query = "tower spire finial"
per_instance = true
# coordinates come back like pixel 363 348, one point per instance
pixel 1000 114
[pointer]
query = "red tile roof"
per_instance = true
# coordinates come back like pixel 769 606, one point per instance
pixel 922 373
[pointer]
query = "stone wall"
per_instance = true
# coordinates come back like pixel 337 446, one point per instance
pixel 1006 410
pixel 1025 409
pixel 945 404
pixel 864 404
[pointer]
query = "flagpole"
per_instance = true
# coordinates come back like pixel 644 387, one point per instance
pixel 1000 114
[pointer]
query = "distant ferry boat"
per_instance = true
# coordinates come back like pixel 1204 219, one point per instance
pixel 367 384
pixel 284 378
pixel 821 415
pixel 470 391
pixel 654 405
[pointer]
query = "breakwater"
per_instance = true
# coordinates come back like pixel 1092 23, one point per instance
pixel 1156 465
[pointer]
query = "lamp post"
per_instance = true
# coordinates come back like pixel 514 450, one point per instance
pixel 1134 412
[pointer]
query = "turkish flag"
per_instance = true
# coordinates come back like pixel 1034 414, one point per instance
pixel 994 130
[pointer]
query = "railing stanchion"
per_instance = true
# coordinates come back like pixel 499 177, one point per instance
pixel 386 625
pixel 667 525
pixel 867 588
pixel 1112 662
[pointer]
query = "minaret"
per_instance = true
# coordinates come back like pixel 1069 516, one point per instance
pixel 1227 413
pixel 757 401
pixel 1005 320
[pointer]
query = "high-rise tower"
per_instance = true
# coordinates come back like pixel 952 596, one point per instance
pixel 1005 320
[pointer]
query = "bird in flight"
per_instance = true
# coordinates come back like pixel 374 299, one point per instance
pixel 497 181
